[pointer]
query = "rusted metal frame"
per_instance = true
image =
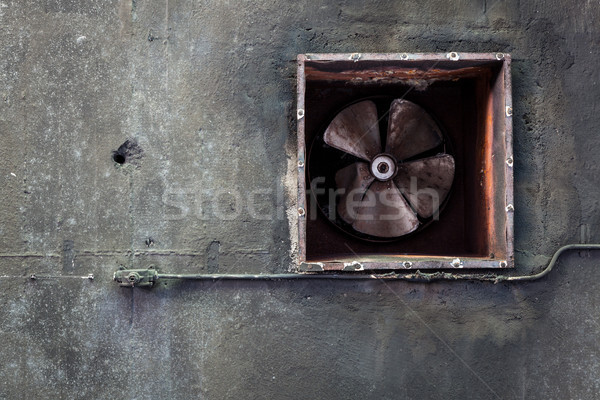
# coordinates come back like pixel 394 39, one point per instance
pixel 509 161
pixel 439 262
pixel 302 206
pixel 400 262
pixel 402 56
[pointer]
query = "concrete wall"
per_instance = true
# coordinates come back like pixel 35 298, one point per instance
pixel 207 89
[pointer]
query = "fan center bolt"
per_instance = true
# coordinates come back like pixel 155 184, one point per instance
pixel 383 167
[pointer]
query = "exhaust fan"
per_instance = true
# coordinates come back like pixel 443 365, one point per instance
pixel 405 161
pixel 394 183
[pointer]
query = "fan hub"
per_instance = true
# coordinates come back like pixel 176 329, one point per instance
pixel 383 167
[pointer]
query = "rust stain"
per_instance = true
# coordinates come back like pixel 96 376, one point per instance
pixel 314 72
pixel 488 173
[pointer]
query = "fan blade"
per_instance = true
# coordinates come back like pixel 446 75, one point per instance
pixel 355 130
pixel 411 130
pixel 354 180
pixel 426 182
pixel 383 212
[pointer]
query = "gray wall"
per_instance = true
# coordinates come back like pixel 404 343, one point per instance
pixel 207 89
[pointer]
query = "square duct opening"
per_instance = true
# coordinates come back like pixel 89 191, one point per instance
pixel 365 124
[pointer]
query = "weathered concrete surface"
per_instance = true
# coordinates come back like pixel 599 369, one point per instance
pixel 206 90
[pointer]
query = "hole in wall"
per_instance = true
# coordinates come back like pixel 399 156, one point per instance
pixel 129 152
pixel 118 158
